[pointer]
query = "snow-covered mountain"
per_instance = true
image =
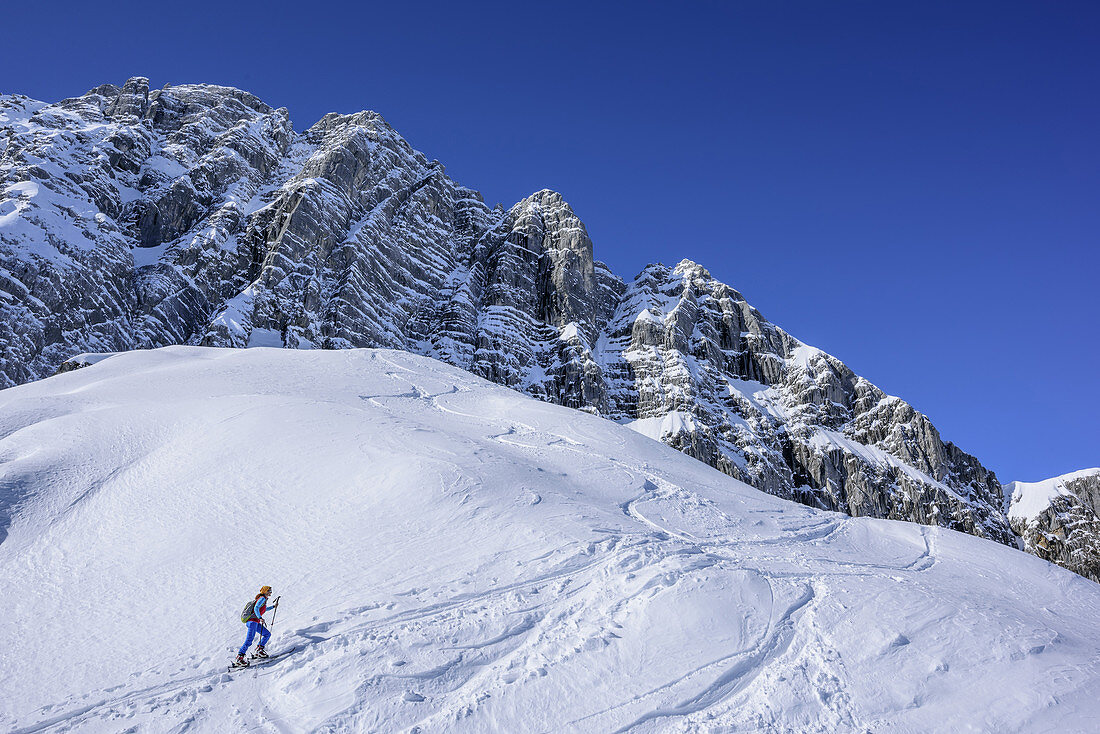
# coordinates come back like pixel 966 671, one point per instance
pixel 454 556
pixel 195 214
pixel 1059 519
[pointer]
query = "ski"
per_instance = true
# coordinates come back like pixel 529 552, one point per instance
pixel 257 661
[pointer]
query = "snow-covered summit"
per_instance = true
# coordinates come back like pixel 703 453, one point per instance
pixel 691 269
pixel 452 555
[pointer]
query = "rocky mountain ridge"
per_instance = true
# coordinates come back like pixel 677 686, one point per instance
pixel 195 214
pixel 1058 519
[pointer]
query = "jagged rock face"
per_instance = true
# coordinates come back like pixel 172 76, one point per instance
pixel 1059 519
pixel 692 363
pixel 541 300
pixel 120 215
pixel 196 214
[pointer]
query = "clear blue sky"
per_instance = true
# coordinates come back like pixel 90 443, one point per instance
pixel 910 186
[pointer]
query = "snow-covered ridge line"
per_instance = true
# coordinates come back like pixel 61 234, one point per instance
pixel 454 556
pixel 1026 500
pixel 196 214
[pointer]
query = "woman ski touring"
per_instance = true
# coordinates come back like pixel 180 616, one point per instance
pixel 253 616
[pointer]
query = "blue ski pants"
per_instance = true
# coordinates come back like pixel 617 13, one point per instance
pixel 253 628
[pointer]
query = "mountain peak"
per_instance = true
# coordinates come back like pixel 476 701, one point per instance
pixel 363 118
pixel 547 198
pixel 692 269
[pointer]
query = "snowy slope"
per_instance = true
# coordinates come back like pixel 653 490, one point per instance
pixel 454 556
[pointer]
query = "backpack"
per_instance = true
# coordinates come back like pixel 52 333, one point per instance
pixel 249 611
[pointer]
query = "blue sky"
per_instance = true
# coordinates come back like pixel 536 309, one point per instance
pixel 912 187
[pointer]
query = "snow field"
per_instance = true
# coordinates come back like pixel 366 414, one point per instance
pixel 453 556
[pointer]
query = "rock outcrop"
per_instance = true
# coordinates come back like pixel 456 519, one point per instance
pixel 1059 519
pixel 195 214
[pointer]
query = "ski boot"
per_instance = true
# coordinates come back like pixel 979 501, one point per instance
pixel 240 662
pixel 260 652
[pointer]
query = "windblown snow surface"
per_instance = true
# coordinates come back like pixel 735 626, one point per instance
pixel 453 556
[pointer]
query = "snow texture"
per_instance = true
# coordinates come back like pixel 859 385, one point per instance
pixel 454 556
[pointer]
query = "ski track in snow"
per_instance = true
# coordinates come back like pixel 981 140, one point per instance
pixel 526 568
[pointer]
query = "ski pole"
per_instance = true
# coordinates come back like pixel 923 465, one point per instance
pixel 274 612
